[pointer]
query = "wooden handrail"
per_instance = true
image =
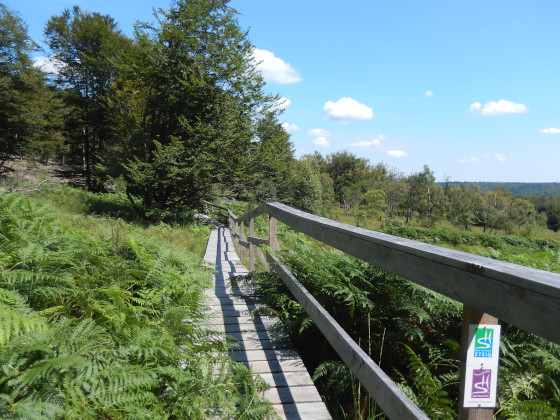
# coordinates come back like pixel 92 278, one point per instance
pixel 386 393
pixel 525 297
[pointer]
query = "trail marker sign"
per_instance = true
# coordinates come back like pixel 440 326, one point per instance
pixel 481 379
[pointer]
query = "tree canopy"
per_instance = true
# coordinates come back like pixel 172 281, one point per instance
pixel 202 113
pixel 29 113
pixel 86 46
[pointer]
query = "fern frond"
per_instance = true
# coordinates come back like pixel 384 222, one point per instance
pixel 16 317
pixel 430 395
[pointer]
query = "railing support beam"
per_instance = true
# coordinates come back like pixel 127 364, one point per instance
pixel 242 237
pixel 251 246
pixel 528 298
pixel 272 239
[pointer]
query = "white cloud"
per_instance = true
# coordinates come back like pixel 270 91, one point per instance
pixel 347 110
pixel 320 137
pixel 319 132
pixel 470 160
pixel 475 107
pixel 48 64
pixel 274 69
pixel 429 93
pixel 551 130
pixel 321 141
pixel 498 108
pixel 290 128
pixel 500 157
pixel 282 103
pixel 374 142
pixel 397 153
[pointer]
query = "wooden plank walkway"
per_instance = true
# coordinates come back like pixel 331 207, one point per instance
pixel 292 392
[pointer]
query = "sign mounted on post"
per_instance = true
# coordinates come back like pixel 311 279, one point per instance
pixel 483 355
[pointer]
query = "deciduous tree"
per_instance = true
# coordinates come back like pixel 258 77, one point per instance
pixel 87 46
pixel 553 219
pixel 263 171
pixel 305 187
pixel 346 170
pixel 29 117
pixel 462 202
pixel 202 105
pixel 424 196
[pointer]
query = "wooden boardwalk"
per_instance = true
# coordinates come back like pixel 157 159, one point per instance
pixel 292 392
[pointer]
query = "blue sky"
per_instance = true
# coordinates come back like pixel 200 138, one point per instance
pixel 470 89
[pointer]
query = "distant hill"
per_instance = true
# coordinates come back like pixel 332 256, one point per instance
pixel 535 189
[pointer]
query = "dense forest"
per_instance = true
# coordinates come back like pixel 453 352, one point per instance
pixel 150 126
pixel 533 189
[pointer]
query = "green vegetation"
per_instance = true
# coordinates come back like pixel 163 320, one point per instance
pixel 30 112
pixel 178 114
pixel 101 291
pixel 411 332
pixel 171 117
pixel 100 318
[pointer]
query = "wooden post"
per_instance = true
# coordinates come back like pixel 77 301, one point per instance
pixel 471 316
pixel 234 230
pixel 272 240
pixel 242 237
pixel 251 246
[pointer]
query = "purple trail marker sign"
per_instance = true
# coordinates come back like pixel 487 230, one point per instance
pixel 482 366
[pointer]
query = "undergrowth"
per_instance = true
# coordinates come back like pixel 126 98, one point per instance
pixel 411 332
pixel 100 318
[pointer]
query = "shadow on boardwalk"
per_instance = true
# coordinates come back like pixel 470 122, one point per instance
pixel 292 392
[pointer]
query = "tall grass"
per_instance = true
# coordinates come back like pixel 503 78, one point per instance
pixel 100 318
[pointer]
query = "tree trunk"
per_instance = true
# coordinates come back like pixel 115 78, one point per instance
pixel 87 157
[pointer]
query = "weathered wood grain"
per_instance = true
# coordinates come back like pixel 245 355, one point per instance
pixel 251 246
pixel 262 259
pixel 257 241
pixel 259 211
pixel 522 296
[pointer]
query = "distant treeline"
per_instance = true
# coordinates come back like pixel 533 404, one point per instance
pixel 534 189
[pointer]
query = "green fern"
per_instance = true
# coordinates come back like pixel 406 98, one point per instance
pixel 92 326
pixel 16 317
pixel 528 377
pixel 426 390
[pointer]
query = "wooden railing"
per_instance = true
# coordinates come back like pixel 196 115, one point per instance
pixel 489 289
